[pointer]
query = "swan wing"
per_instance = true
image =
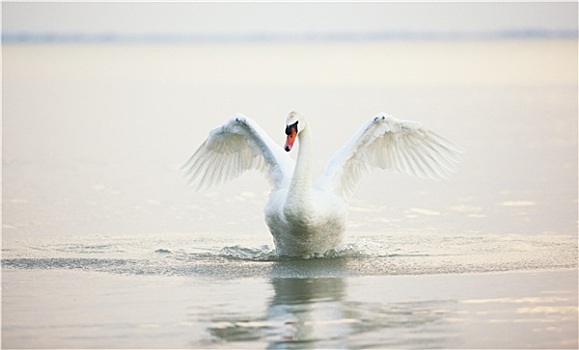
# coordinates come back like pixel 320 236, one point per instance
pixel 385 142
pixel 235 147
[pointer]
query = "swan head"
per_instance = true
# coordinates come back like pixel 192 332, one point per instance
pixel 295 124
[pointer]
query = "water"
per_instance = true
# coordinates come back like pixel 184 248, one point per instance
pixel 187 290
pixel 105 246
pixel 202 255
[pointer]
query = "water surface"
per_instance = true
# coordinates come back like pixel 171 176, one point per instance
pixel 105 246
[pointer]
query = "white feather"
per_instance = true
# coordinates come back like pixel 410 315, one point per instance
pixel 388 143
pixel 235 147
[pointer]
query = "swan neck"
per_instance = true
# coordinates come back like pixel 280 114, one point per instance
pixel 302 177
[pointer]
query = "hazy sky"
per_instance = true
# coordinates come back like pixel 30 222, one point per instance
pixel 223 18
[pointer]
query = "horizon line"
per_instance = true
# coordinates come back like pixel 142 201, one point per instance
pixel 104 37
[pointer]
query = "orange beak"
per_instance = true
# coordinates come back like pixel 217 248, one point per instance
pixel 291 138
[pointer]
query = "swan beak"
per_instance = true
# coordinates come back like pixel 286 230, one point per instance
pixel 291 138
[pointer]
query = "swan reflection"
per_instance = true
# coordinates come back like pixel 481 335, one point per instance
pixel 311 308
pixel 305 310
pixel 310 311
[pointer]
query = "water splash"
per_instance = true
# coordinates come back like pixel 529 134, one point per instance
pixel 362 249
pixel 237 252
pixel 380 254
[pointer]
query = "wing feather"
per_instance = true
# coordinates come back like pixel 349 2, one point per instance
pixel 385 142
pixel 233 148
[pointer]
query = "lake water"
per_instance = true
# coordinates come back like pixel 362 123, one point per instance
pixel 105 246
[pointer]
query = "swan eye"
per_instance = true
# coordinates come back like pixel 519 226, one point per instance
pixel 289 128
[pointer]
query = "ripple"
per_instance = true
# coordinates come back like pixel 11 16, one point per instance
pixel 375 255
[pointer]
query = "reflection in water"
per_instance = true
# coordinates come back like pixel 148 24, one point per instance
pixel 311 309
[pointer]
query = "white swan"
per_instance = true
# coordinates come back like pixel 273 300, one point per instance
pixel 307 218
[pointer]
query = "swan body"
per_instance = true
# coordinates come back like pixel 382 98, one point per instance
pixel 304 217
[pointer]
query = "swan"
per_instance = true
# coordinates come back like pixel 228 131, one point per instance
pixel 309 218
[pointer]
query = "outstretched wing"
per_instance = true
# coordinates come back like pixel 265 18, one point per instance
pixel 235 147
pixel 388 143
